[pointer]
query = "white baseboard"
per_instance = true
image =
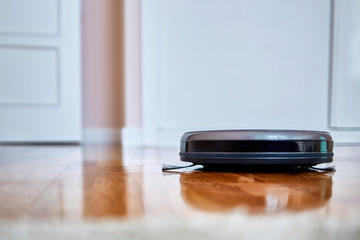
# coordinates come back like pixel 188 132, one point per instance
pixel 169 137
pixel 127 136
pixel 345 137
pixel 172 137
pixel 132 136
pixel 101 136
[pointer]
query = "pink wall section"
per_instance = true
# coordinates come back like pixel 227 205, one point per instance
pixel 111 63
pixel 103 61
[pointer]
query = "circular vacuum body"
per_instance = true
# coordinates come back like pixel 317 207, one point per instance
pixel 257 147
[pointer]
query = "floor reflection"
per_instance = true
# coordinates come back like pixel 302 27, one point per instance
pixel 259 192
pixel 107 186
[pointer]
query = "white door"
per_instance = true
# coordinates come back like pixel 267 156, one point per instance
pixel 40 66
pixel 208 64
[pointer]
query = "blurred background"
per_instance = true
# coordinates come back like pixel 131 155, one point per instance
pixel 141 72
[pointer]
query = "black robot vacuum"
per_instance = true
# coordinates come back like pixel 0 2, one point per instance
pixel 257 147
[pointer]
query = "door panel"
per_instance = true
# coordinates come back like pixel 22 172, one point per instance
pixel 29 75
pixel 29 16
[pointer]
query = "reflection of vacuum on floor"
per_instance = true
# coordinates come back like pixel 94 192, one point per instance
pixel 259 192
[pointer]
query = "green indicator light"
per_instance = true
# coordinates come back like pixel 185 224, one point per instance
pixel 323 146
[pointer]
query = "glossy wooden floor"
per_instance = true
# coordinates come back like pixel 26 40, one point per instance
pixel 99 182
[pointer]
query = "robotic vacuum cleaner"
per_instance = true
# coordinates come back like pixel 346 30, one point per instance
pixel 257 147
